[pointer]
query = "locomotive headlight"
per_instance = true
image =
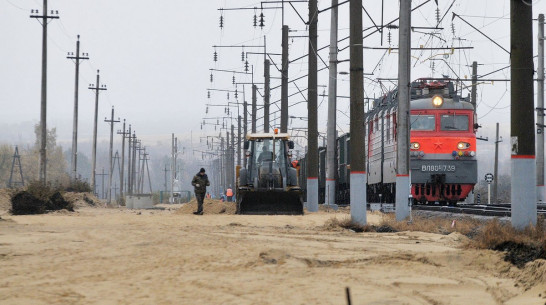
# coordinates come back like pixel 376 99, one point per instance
pixel 437 101
pixel 463 145
pixel 415 146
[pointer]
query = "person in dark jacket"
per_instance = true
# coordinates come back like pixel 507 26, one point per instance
pixel 200 183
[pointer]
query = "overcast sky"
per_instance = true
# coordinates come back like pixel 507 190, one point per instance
pixel 155 56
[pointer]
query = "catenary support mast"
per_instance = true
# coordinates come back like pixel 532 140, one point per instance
pixel 403 127
pixel 358 152
pixel 332 101
pixel 522 129
pixel 312 129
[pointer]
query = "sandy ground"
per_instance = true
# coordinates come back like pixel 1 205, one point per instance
pixel 119 256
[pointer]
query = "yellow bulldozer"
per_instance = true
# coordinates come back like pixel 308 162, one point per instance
pixel 269 184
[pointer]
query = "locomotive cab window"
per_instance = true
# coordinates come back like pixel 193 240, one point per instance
pixel 422 122
pixel 454 122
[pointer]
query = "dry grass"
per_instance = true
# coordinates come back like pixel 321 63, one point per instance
pixel 520 247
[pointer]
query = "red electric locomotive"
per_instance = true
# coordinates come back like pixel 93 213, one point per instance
pixel 443 163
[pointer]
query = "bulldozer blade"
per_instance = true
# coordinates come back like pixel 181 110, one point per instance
pixel 270 203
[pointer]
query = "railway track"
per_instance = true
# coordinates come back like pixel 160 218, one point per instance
pixel 498 210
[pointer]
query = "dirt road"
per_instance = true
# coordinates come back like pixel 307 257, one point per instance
pixel 117 256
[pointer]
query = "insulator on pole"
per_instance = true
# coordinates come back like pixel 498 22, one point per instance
pixel 234 79
pixel 208 94
pixel 261 19
pixel 211 78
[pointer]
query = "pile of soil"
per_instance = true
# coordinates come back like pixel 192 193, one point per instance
pixel 210 206
pixel 26 203
pixel 5 199
pixel 83 199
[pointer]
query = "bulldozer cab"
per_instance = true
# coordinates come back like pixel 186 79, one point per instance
pixel 268 153
pixel 268 185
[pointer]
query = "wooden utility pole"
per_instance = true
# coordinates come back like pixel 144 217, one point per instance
pixel 522 128
pixel 358 152
pixel 111 121
pixel 98 87
pixel 43 105
pixel 76 59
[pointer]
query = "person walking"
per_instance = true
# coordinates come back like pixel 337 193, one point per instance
pixel 200 182
pixel 229 194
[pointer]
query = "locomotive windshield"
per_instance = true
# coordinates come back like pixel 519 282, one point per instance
pixel 422 122
pixel 451 122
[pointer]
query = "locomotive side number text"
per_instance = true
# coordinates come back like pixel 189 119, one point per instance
pixel 437 168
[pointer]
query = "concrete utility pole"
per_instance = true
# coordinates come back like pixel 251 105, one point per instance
pixel 124 134
pixel 540 111
pixel 111 121
pixel 267 88
pixel 474 91
pixel 312 128
pixel 403 127
pixel 133 164
pixel 173 153
pixel 239 141
pixel 330 191
pixel 254 108
pixel 97 89
pixel 284 80
pixel 358 152
pixel 227 159
pixel 232 157
pixel 267 95
pixel 496 169
pixel 43 104
pixel 222 166
pixel 102 183
pixel 245 126
pixel 522 134
pixel 129 160
pixel 77 59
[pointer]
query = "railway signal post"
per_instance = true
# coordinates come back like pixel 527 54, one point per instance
pixel 489 178
pixel 404 85
pixel 522 130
